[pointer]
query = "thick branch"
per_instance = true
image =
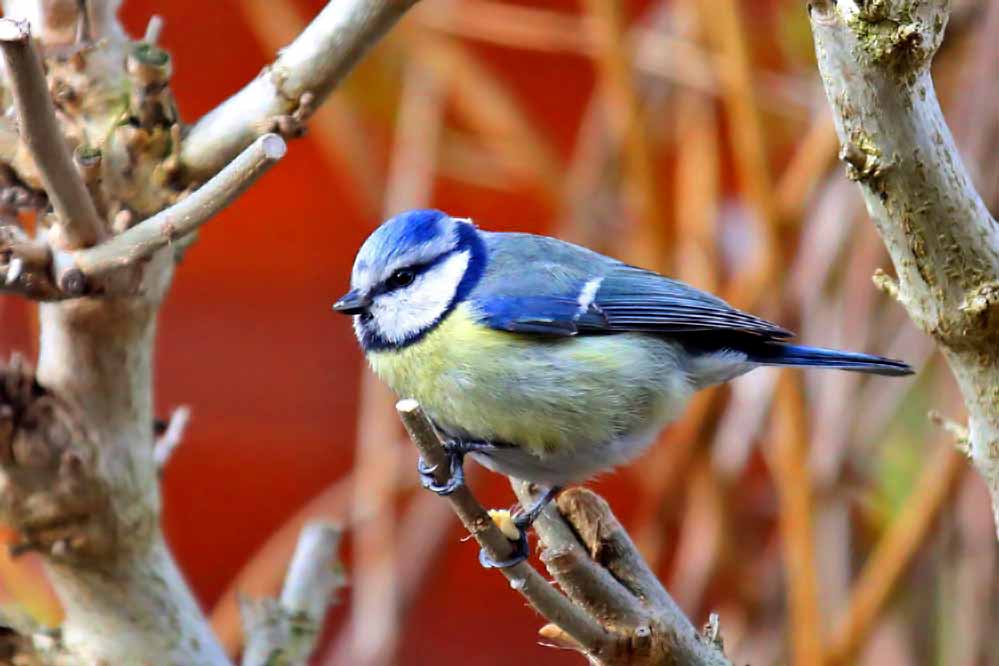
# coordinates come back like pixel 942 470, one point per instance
pixel 303 74
pixel 81 226
pixel 286 631
pixel 185 216
pixel 585 632
pixel 874 59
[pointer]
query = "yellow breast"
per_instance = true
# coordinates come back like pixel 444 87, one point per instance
pixel 541 394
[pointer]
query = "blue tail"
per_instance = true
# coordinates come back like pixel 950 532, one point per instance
pixel 779 353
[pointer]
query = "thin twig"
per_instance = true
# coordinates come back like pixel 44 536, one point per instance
pixel 586 632
pixel 81 226
pixel 311 66
pixel 696 190
pixel 619 612
pixel 375 595
pixel 286 631
pixel 185 216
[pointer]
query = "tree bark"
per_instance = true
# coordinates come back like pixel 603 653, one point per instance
pixel 874 58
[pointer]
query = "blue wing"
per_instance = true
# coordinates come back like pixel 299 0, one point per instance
pixel 547 287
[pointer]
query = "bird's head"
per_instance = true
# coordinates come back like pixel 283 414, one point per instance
pixel 409 274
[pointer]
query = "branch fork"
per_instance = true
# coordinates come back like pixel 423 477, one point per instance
pixel 614 610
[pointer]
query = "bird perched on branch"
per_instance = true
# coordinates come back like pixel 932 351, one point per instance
pixel 541 359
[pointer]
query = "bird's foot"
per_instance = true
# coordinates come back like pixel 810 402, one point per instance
pixel 521 551
pixel 456 450
pixel 521 522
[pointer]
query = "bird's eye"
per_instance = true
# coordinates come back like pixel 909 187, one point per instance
pixel 401 278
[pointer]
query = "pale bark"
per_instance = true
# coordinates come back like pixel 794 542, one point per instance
pixel 285 631
pixel 874 58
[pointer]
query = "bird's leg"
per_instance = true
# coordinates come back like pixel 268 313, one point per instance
pixel 523 521
pixel 527 518
pixel 456 451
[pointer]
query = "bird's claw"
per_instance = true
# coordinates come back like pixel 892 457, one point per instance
pixel 456 479
pixel 521 551
pixel 522 522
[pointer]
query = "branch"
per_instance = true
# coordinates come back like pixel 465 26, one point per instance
pixel 286 631
pixel 874 59
pixel 81 226
pixel 616 611
pixel 591 555
pixel 299 79
pixel 185 216
pixel 585 632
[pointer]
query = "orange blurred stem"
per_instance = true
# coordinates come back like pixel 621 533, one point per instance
pixel 893 554
pixel 789 466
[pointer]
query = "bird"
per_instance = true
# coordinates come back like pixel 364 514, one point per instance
pixel 544 360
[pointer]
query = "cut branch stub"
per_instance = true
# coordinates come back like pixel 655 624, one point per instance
pixel 50 495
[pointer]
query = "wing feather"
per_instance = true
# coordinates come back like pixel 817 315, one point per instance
pixel 544 286
pixel 628 299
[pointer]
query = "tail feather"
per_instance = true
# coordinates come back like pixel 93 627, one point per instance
pixel 776 353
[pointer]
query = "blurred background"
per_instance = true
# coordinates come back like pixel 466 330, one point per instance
pixel 822 515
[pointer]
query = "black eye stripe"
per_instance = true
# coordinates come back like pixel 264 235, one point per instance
pixel 416 269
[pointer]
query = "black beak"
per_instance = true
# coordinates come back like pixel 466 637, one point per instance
pixel 352 303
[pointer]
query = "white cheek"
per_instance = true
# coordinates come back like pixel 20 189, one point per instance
pixel 400 314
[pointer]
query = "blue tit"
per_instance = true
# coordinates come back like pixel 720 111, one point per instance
pixel 544 360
